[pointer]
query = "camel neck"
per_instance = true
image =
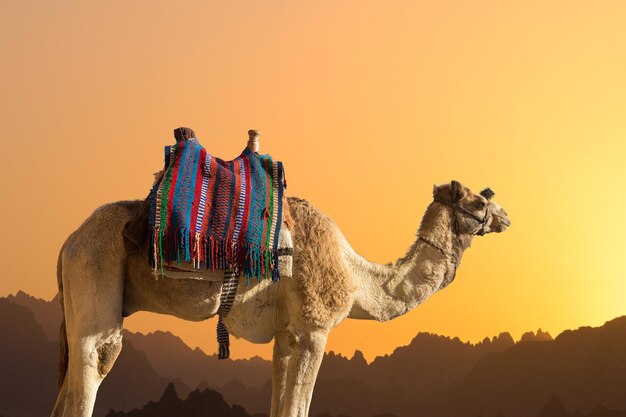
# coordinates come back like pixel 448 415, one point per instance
pixel 438 230
pixel 388 291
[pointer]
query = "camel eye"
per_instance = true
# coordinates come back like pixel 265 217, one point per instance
pixel 481 204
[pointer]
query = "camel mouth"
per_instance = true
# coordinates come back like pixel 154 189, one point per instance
pixel 503 224
pixel 499 218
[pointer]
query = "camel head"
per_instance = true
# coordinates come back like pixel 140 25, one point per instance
pixel 499 218
pixel 477 214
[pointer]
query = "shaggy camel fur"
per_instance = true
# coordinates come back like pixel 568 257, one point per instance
pixel 100 285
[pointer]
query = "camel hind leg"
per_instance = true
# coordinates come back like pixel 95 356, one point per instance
pixel 93 314
pixel 92 284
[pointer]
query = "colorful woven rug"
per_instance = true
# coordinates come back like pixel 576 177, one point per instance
pixel 217 214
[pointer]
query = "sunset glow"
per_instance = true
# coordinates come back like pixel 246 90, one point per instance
pixel 368 104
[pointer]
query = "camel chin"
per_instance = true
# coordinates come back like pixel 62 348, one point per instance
pixel 502 227
pixel 500 219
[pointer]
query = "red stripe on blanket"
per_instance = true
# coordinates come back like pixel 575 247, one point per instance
pixel 196 201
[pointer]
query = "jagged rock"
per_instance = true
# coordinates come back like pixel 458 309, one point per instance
pixel 583 367
pixel 205 403
pixel 358 359
pixel 193 366
pixel 169 395
pixel 540 336
pixel 47 313
pixel 28 362
pixel 554 408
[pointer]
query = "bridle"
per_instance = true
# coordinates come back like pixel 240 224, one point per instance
pixel 455 232
pixel 482 222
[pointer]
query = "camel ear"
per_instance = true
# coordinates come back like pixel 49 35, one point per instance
pixel 441 193
pixel 487 193
pixel 458 191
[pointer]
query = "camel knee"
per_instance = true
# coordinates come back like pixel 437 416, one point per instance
pixel 108 351
pixel 308 340
pixel 283 343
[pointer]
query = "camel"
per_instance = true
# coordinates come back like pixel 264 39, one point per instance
pixel 100 285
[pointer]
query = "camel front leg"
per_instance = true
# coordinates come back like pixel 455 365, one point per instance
pixel 304 363
pixel 280 361
pixel 59 405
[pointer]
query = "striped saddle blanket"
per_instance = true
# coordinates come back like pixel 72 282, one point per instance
pixel 207 213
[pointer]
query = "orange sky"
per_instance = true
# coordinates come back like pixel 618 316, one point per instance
pixel 368 104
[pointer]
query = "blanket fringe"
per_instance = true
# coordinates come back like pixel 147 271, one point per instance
pixel 205 251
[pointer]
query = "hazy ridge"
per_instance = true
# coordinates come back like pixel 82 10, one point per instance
pixel 434 376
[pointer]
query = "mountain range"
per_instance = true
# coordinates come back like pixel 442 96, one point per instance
pixel 435 376
pixel 198 403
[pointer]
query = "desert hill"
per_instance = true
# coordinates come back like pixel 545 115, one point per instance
pixel 198 403
pixel 193 366
pixel 584 368
pixel 554 408
pixel 28 370
pixel 28 363
pixel 434 376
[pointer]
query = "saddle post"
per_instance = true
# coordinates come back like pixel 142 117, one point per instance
pixel 253 140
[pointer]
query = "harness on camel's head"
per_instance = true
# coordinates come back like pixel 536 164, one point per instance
pixel 456 209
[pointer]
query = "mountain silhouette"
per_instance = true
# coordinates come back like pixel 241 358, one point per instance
pixel 540 336
pixel 437 376
pixel 336 366
pixel 28 363
pixel 28 369
pixel 47 313
pixel 193 366
pixel 253 399
pixel 584 368
pixel 554 408
pixel 413 374
pixel 207 403
pixel 407 379
pixel 132 382
pixel 432 359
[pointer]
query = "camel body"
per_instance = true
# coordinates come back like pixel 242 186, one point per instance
pixel 100 285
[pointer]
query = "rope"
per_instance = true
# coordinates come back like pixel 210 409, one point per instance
pixel 229 289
